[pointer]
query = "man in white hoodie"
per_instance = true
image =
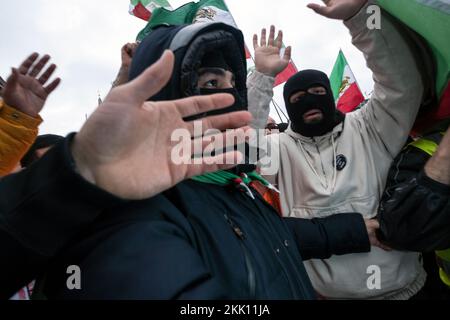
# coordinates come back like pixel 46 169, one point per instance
pixel 330 164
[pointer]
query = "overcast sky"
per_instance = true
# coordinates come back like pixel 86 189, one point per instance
pixel 84 38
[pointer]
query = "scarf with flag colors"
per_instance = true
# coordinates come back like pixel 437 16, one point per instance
pixel 430 19
pixel 346 91
pixel 204 11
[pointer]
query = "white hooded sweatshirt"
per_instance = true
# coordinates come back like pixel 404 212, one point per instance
pixel 311 186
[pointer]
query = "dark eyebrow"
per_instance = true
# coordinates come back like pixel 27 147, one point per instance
pixel 216 71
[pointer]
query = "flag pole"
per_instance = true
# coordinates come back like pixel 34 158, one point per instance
pixel 278 107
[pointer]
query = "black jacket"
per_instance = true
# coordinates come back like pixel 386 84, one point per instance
pixel 414 212
pixel 41 209
pixel 184 244
pixel 200 241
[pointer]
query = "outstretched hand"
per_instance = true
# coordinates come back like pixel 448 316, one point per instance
pixel 268 59
pixel 338 9
pixel 125 147
pixel 24 91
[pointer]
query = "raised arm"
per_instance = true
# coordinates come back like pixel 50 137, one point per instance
pixel 398 89
pixel 24 94
pixel 268 64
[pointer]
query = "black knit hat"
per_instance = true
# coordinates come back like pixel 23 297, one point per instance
pixel 214 59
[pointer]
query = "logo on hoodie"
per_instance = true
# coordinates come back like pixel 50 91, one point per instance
pixel 341 162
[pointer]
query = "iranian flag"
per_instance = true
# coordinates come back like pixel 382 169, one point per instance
pixel 206 11
pixel 144 8
pixel 346 91
pixel 430 19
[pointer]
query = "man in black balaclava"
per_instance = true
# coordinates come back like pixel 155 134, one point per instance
pixel 310 104
pixel 211 237
pixel 330 164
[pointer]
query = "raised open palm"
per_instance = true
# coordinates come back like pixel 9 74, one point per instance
pixel 125 147
pixel 268 59
pixel 24 91
pixel 338 9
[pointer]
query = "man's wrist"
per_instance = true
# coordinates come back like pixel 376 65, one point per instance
pixel 19 116
pixel 79 161
pixel 438 167
pixel 356 12
pixel 266 72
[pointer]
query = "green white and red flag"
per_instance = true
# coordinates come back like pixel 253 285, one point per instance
pixel 143 9
pixel 430 19
pixel 346 91
pixel 205 11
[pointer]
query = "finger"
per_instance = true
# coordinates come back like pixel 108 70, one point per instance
pixel 322 10
pixel 221 122
pixel 52 86
pixel 152 80
pixel 39 66
pixel 272 36
pixel 130 48
pixel 12 79
pixel 10 84
pixel 133 48
pixel 26 65
pixel 287 54
pixel 279 40
pixel 47 74
pixel 255 41
pixel 196 105
pixel 217 142
pixel 263 38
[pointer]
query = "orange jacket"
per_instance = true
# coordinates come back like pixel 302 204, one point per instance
pixel 17 133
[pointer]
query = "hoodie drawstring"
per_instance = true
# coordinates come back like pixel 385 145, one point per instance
pixel 334 179
pixel 311 166
pixel 333 144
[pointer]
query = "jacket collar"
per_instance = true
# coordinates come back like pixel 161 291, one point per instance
pixel 316 140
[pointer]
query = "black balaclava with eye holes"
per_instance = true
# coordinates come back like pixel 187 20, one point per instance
pixel 303 81
pixel 215 59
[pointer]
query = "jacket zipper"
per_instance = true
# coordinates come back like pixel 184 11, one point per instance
pixel 285 272
pixel 248 262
